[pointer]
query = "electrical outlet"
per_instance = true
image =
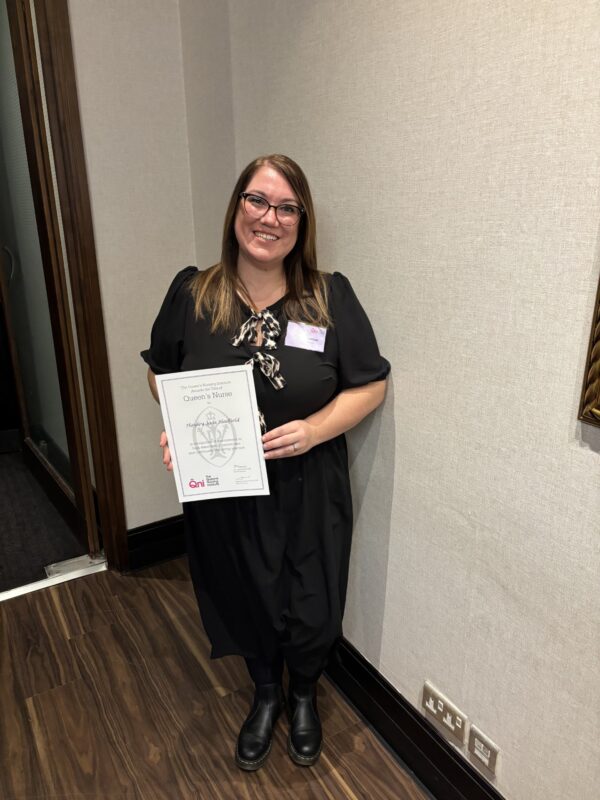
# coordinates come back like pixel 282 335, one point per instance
pixel 451 718
pixel 484 750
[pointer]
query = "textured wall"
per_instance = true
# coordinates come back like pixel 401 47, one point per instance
pixel 453 149
pixel 207 71
pixel 131 93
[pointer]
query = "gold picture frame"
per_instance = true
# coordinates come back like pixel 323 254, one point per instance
pixel 589 407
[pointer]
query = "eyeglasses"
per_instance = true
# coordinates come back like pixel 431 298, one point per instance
pixel 256 207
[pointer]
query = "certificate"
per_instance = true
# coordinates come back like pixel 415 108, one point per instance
pixel 211 420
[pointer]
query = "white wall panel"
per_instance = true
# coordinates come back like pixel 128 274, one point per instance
pixel 207 71
pixel 133 109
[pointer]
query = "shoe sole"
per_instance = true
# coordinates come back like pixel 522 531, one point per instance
pixel 303 761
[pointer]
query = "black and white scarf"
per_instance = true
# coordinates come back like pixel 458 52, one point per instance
pixel 249 330
pixel 271 331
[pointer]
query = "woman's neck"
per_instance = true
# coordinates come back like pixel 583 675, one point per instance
pixel 264 286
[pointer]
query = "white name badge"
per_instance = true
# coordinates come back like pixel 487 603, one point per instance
pixel 308 337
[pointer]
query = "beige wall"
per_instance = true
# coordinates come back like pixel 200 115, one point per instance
pixel 207 71
pixel 133 108
pixel 453 153
pixel 453 149
pixel 153 78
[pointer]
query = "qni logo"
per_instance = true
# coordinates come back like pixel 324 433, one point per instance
pixel 196 484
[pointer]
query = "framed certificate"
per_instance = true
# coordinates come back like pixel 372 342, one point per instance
pixel 212 422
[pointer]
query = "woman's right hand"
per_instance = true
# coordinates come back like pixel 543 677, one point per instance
pixel 164 443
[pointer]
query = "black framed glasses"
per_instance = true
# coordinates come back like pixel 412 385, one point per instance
pixel 256 207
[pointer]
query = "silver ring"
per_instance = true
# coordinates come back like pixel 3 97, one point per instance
pixel 295 445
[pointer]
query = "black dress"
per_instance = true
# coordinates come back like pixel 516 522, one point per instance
pixel 270 572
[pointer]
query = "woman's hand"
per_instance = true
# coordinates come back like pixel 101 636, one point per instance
pixel 166 452
pixel 345 411
pixel 292 439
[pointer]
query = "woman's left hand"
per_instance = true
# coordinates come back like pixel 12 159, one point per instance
pixel 291 439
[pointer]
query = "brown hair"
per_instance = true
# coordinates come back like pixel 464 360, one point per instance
pixel 214 290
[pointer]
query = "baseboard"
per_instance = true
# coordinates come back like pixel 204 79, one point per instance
pixel 158 541
pixel 439 767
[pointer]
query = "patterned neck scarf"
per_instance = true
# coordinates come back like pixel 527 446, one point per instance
pixel 249 330
pixel 271 330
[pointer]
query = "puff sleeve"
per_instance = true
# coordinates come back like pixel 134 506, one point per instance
pixel 165 353
pixel 359 359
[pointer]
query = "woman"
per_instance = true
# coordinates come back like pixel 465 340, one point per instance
pixel 270 573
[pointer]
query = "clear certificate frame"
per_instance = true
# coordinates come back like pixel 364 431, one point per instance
pixel 212 422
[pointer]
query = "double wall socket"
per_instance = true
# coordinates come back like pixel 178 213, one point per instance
pixel 454 723
pixel 483 749
pixel 445 712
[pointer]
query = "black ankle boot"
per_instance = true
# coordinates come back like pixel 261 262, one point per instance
pixel 254 741
pixel 304 740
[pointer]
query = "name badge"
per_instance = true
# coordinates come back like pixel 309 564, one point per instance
pixel 308 337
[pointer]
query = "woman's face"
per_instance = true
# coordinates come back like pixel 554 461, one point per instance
pixel 264 242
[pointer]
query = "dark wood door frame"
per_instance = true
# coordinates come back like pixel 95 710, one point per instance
pixel 56 55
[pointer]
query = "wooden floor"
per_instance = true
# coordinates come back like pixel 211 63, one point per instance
pixel 107 692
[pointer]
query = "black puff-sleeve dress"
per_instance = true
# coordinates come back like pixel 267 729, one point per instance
pixel 270 573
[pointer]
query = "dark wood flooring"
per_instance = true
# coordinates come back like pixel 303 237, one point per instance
pixel 107 692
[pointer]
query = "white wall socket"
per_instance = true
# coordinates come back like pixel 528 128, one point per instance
pixel 484 750
pixel 451 718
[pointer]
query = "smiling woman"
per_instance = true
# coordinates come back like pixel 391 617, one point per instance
pixel 264 238
pixel 270 572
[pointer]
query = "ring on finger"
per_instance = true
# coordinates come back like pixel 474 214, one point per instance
pixel 295 446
